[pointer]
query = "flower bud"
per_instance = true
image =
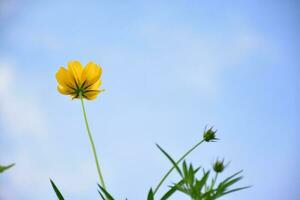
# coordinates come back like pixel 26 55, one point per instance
pixel 209 135
pixel 218 166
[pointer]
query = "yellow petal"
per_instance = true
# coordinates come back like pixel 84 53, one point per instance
pixel 91 74
pixel 92 94
pixel 64 90
pixel 75 70
pixel 63 78
pixel 95 86
pixel 75 96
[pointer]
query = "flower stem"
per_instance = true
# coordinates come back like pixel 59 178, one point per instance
pixel 171 169
pixel 92 144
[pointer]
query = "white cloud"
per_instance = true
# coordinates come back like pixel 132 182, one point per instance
pixel 198 60
pixel 18 110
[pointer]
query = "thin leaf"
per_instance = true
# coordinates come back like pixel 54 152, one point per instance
pixel 172 190
pixel 185 170
pixel 231 182
pixel 101 195
pixel 202 181
pixel 230 177
pixel 108 196
pixel 4 168
pixel 191 176
pixel 237 189
pixel 150 195
pixel 230 191
pixel 170 159
pixel 56 190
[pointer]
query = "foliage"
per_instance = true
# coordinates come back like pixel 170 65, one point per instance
pixel 56 190
pixel 4 168
pixel 203 187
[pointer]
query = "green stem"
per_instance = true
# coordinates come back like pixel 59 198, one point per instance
pixel 172 168
pixel 92 144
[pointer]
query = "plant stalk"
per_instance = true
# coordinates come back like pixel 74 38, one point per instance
pixel 92 144
pixel 172 168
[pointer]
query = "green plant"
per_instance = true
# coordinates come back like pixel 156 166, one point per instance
pixel 4 168
pixel 204 187
pixel 83 83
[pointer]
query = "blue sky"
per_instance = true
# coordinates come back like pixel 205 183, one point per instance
pixel 169 69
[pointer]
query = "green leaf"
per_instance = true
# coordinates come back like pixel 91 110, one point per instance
pixel 237 189
pixel 170 159
pixel 4 168
pixel 172 190
pixel 185 169
pixel 56 190
pixel 230 177
pixel 200 183
pixel 231 182
pixel 150 195
pixel 191 176
pixel 223 187
pixel 101 195
pixel 108 196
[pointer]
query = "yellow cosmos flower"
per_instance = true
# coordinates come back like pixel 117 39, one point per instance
pixel 77 81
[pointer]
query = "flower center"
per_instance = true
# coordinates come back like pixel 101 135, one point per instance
pixel 80 91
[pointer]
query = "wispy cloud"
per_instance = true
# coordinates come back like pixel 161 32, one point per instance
pixel 18 109
pixel 198 59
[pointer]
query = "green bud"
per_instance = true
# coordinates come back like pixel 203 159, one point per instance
pixel 210 135
pixel 219 166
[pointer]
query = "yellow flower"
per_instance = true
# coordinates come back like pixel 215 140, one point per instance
pixel 76 80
